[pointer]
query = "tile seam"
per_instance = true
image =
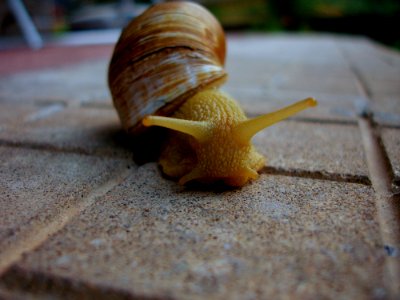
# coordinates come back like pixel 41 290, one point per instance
pixel 319 175
pixel 381 175
pixel 386 202
pixel 350 178
pixel 55 149
pixel 31 282
pixel 380 172
pixel 313 120
pixel 57 222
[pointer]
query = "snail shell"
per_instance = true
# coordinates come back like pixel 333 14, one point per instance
pixel 163 57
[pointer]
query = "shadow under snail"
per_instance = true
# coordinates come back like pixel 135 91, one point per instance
pixel 165 71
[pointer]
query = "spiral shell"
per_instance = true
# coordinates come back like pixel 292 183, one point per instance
pixel 163 57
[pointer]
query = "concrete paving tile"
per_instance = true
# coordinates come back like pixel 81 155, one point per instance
pixel 286 49
pixel 274 61
pixel 283 59
pixel 314 147
pixel 248 71
pixel 377 66
pixel 324 80
pixel 12 114
pixel 74 84
pixel 383 87
pixel 275 65
pixel 86 130
pixel 371 59
pixel 386 109
pixel 17 59
pixel 328 79
pixel 37 185
pixel 300 77
pixel 331 107
pixel 391 141
pixel 279 237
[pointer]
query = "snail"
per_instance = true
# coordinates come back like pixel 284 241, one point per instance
pixel 166 70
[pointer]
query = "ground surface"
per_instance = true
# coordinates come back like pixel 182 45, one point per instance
pixel 79 219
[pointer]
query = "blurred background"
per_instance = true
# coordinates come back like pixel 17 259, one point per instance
pixel 377 19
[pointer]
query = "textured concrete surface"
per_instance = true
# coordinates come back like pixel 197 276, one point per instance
pixel 82 82
pixel 76 129
pixel 387 109
pixel 37 185
pixel 333 107
pixel 12 114
pixel 391 140
pixel 150 235
pixel 334 149
pixel 79 219
pixel 20 60
pixel 376 67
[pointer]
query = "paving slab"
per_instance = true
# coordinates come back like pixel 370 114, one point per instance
pixel 286 49
pixel 391 141
pixel 386 109
pixel 75 225
pixel 275 63
pixel 326 148
pixel 331 107
pixel 36 186
pixel 289 64
pixel 83 130
pixel 298 77
pixel 282 70
pixel 377 67
pixel 17 60
pixel 250 71
pixel 75 84
pixel 12 114
pixel 279 237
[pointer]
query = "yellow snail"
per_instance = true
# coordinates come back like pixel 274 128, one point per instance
pixel 165 71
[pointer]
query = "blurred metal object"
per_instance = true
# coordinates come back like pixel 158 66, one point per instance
pixel 29 30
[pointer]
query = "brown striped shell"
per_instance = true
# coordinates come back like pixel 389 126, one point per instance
pixel 163 57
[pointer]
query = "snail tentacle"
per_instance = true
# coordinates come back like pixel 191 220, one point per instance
pixel 200 130
pixel 247 129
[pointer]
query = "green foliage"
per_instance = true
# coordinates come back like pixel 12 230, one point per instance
pixel 335 8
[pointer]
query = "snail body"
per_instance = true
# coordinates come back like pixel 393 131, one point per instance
pixel 211 136
pixel 214 139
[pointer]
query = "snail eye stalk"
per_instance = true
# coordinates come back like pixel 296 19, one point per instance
pixel 200 130
pixel 247 129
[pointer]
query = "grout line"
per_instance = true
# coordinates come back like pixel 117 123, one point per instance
pixel 39 233
pixel 100 105
pixel 18 282
pixel 351 122
pixel 381 175
pixel 324 121
pixel 350 178
pixel 55 149
pixel 389 126
pixel 319 175
pixel 379 166
pixel 387 203
pixel 44 147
